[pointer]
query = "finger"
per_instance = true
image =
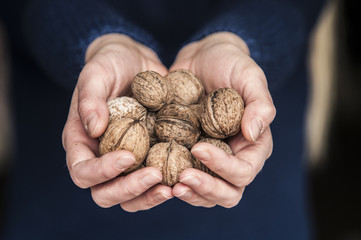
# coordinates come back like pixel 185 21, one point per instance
pixel 263 146
pixel 101 79
pixel 125 188
pixel 74 131
pixel 260 111
pixel 85 169
pixel 186 194
pixel 213 189
pixel 93 84
pixel 87 172
pixel 239 169
pixel 151 198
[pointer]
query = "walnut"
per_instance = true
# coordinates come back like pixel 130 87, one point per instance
pixel 197 110
pixel 126 107
pixel 151 116
pixel 177 122
pixel 187 88
pixel 222 113
pixel 171 159
pixel 218 143
pixel 126 134
pixel 151 90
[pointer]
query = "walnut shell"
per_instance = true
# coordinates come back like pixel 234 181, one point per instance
pixel 177 122
pixel 218 143
pixel 151 90
pixel 187 88
pixel 222 113
pixel 171 159
pixel 129 107
pixel 151 117
pixel 197 110
pixel 126 134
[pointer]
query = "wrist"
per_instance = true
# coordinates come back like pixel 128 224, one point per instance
pixel 117 39
pixel 100 42
pixel 225 38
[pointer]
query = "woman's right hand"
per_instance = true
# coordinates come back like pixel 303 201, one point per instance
pixel 112 61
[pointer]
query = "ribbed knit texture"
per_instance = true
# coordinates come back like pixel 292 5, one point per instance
pixel 275 44
pixel 58 33
pixel 59 45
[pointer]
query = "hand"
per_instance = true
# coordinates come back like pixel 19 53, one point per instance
pixel 111 63
pixel 222 60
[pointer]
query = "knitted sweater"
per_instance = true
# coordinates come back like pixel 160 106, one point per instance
pixel 49 40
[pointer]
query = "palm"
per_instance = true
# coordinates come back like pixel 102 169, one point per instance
pixel 222 60
pixel 112 62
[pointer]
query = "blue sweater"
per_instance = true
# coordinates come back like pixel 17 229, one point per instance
pixel 49 39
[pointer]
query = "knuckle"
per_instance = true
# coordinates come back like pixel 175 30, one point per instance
pixel 78 181
pixel 129 191
pixel 248 180
pixel 104 170
pixel 253 71
pixel 128 208
pixel 150 202
pixel 105 174
pixel 85 103
pixel 244 173
pixel 207 189
pixel 209 205
pixel 270 110
pixel 220 167
pixel 270 152
pixel 230 203
pixel 99 199
pixel 244 181
pixel 240 182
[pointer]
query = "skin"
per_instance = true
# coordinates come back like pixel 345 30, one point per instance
pixel 220 60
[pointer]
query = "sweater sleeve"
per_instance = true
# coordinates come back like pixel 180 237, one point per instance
pixel 274 30
pixel 58 33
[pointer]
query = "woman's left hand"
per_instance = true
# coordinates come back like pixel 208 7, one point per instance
pixel 223 60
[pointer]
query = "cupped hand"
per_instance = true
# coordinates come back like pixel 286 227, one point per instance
pixel 112 61
pixel 223 60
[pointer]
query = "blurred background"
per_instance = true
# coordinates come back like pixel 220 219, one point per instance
pixel 333 122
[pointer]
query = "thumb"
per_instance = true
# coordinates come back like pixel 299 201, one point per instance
pixel 92 92
pixel 259 109
pixel 258 115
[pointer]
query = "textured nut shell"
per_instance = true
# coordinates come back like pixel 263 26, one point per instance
pixel 151 90
pixel 151 116
pixel 171 159
pixel 222 113
pixel 197 110
pixel 218 143
pixel 177 122
pixel 187 88
pixel 126 107
pixel 126 134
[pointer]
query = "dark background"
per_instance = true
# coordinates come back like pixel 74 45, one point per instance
pixel 336 191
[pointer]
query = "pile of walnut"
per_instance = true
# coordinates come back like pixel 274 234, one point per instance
pixel 166 117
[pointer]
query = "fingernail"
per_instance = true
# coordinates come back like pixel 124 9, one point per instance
pixel 150 180
pixel 124 162
pixel 255 129
pixel 185 195
pixel 191 181
pixel 162 197
pixel 201 153
pixel 91 124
